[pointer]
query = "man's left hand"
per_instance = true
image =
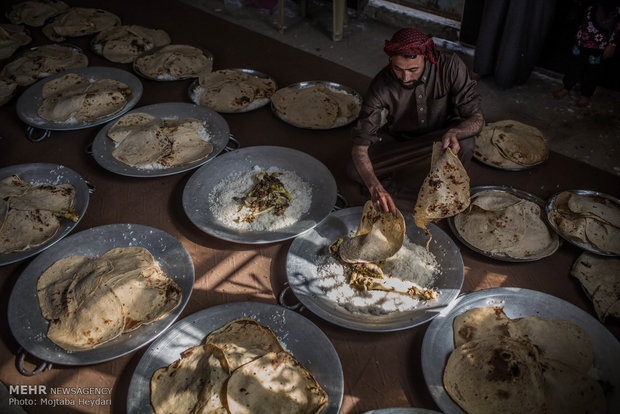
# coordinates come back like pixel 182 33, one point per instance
pixel 450 141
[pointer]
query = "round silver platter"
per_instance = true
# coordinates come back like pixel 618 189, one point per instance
pixel 576 242
pixel 298 335
pixel 438 342
pixel 197 193
pixel 216 127
pixel 312 248
pixel 167 78
pixel 401 410
pixel 41 173
pixel 195 90
pixel 331 85
pixel 30 100
pixel 28 325
pixel 502 189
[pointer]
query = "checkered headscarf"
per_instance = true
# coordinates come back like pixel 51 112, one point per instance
pixel 411 42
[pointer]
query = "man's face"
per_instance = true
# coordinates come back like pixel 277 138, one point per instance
pixel 407 70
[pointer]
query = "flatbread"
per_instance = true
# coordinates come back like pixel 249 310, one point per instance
pixel 478 323
pixel 445 190
pixel 130 123
pixel 13 186
pixel 229 90
pixel 79 21
pixel 192 383
pixel 310 107
pixel 55 198
pixel 25 229
pixel 599 277
pixel 496 374
pixel 173 61
pixel 275 383
pixel 379 236
pixel 243 340
pixel 571 391
pixel 35 13
pixel 122 44
pixel 8 88
pixel 12 37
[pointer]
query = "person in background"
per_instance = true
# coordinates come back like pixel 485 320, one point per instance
pixel 420 97
pixel 595 41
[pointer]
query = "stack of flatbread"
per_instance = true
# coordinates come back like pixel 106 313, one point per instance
pixel 124 43
pixel 445 190
pixel 229 90
pixel 74 98
pixel 7 90
pixel 12 36
pixel 79 21
pixel 316 106
pixel 92 300
pixel 523 365
pixel 511 145
pixel 600 278
pixel 30 214
pixel 240 368
pixel 143 140
pixel 43 61
pixel 501 224
pixel 35 12
pixel 172 62
pixel 590 219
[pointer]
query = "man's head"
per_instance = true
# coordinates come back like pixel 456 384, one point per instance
pixel 408 50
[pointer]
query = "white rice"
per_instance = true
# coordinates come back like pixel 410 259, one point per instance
pixel 411 264
pixel 225 209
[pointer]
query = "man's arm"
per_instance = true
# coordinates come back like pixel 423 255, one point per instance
pixel 467 128
pixel 380 197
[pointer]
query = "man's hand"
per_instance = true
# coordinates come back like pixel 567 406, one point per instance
pixel 449 140
pixel 382 200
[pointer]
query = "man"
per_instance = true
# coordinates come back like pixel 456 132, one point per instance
pixel 428 97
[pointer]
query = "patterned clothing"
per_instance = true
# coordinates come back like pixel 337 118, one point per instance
pixel 411 42
pixel 599 29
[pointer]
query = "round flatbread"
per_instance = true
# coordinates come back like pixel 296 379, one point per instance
pixel 35 12
pixel 12 37
pixel 599 277
pixel 79 21
pixel 24 229
pixel 310 107
pixel 478 323
pixel 173 62
pixel 124 43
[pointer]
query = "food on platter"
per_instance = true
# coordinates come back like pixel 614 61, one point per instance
pixel 74 98
pixel 173 62
pixel 145 141
pixel 445 190
pixel 377 273
pixel 502 224
pixel 31 214
pixel 92 300
pixel 7 90
pixel 261 199
pixel 12 36
pixel 35 12
pixel 79 21
pixel 230 90
pixel 587 218
pixel 316 105
pixel 528 364
pixel 511 145
pixel 124 43
pixel 600 278
pixel 42 61
pixel 240 368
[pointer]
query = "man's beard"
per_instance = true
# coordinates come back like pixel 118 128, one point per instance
pixel 410 85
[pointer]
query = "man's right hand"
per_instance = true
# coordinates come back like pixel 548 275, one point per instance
pixel 382 200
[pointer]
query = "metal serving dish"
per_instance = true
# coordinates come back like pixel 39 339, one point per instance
pixel 169 78
pixel 28 103
pixel 502 189
pixel 28 325
pixel 298 335
pixel 401 410
pixel 332 85
pixel 41 173
pixel 195 90
pixel 312 247
pixel 438 342
pixel 216 127
pixel 197 200
pixel 579 243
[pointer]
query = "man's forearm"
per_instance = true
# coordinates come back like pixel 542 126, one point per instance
pixel 363 165
pixel 469 126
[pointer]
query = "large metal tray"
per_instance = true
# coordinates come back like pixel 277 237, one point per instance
pixel 216 126
pixel 28 325
pixel 205 52
pixel 332 85
pixel 196 200
pixel 401 410
pixel 438 342
pixel 312 247
pixel 195 90
pixel 41 173
pixel 297 334
pixel 579 243
pixel 505 189
pixel 28 103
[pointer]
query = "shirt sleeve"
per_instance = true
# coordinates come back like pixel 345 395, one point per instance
pixel 365 131
pixel 463 90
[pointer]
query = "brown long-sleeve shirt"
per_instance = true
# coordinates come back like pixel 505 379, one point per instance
pixel 443 93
